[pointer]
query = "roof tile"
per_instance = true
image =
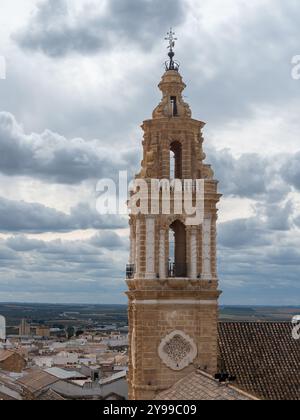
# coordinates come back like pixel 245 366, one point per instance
pixel 263 356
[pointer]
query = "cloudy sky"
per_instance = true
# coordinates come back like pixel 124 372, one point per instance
pixel 81 77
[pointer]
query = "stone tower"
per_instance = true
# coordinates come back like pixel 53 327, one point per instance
pixel 172 274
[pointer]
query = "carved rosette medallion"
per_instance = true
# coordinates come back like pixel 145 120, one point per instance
pixel 177 350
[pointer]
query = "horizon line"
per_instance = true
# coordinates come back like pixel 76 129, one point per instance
pixel 124 304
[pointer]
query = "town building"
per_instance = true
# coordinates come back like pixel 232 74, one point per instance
pixel 43 331
pixel 24 328
pixel 90 367
pixel 2 328
pixel 11 361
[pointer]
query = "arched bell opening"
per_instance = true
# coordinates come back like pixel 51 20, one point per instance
pixel 174 106
pixel 177 250
pixel 176 160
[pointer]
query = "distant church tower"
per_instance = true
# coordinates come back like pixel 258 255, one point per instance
pixel 172 275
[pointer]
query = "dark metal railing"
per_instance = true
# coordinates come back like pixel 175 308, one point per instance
pixel 177 270
pixel 130 271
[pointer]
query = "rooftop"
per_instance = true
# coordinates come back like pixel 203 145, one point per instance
pixel 114 377
pixel 50 395
pixel 201 386
pixel 5 354
pixel 263 356
pixel 64 374
pixel 8 393
pixel 36 379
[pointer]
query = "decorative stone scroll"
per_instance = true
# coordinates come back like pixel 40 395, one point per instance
pixel 177 350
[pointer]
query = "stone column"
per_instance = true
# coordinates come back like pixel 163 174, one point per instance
pixel 162 254
pixel 206 248
pixel 193 253
pixel 138 248
pixel 186 157
pixel 165 157
pixel 132 243
pixel 214 246
pixel 150 248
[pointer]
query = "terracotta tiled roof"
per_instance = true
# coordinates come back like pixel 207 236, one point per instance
pixel 5 354
pixel 50 395
pixel 9 394
pixel 263 356
pixel 200 386
pixel 36 380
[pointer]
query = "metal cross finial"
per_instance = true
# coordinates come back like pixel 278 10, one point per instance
pixel 171 39
pixel 171 65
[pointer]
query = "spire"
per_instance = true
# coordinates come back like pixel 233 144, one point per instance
pixel 171 64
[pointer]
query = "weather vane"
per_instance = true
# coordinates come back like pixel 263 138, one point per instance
pixel 171 39
pixel 171 65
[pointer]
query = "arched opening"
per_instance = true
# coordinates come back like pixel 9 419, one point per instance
pixel 173 101
pixel 176 160
pixel 171 253
pixel 177 250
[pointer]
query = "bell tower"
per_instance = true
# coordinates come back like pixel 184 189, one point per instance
pixel 172 273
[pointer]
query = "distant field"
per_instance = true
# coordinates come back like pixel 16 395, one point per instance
pixel 56 315
pixel 105 314
pixel 258 313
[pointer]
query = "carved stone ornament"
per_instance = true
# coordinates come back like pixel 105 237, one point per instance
pixel 177 350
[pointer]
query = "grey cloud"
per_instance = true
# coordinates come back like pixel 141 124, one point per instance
pixel 7 255
pixel 248 61
pixel 21 243
pixel 109 240
pixel 86 217
pixel 250 175
pixel 244 176
pixel 55 159
pixel 278 217
pixel 66 249
pixel 291 171
pixel 56 32
pixel 63 255
pixel 244 62
pixel 259 273
pixel 297 220
pixel 242 233
pixel 259 278
pixel 19 216
pixel 255 258
pixel 45 269
pixel 264 271
pixel 259 230
pixel 284 256
pixel 52 157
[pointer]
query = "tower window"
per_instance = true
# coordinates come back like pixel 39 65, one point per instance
pixel 177 250
pixel 176 160
pixel 174 106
